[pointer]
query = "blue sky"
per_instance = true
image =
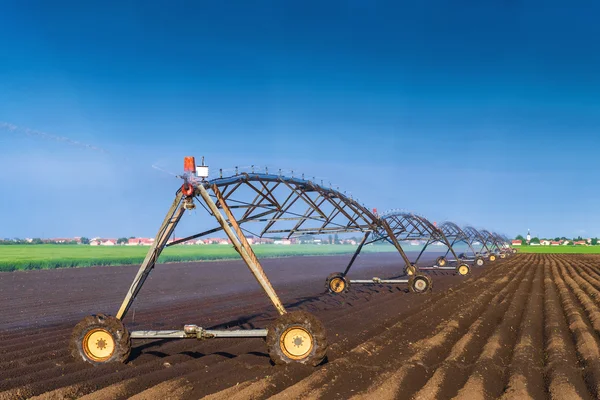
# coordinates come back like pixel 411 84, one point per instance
pixel 484 114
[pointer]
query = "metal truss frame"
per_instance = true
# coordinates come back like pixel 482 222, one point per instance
pixel 490 240
pixel 456 235
pixel 476 236
pixel 403 227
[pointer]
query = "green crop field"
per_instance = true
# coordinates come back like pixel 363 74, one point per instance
pixel 559 249
pixel 48 256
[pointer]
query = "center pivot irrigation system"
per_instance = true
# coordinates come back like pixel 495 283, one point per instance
pixel 258 204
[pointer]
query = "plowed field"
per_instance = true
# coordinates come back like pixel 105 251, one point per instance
pixel 525 327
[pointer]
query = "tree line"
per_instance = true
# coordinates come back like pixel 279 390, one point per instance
pixel 536 240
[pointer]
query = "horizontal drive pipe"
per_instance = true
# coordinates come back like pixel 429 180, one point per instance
pixel 206 333
pixel 378 281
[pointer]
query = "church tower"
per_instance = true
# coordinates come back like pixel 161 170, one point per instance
pixel 528 236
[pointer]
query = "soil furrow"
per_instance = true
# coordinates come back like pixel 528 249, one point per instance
pixel 583 334
pixel 453 372
pixel 526 379
pixel 489 375
pixel 563 374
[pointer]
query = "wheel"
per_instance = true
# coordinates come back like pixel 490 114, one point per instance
pixel 502 255
pixel 463 270
pixel 479 261
pixel 100 339
pixel 492 257
pixel 410 270
pixel 441 261
pixel 420 284
pixel 297 337
pixel 462 255
pixel 337 283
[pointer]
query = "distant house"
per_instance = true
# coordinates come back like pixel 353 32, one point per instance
pixel 108 242
pixel 95 243
pixel 555 243
pixel 545 242
pixel 215 241
pixel 580 243
pixel 61 240
pixel 517 242
pixel 259 240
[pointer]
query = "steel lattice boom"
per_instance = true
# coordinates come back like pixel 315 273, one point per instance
pixel 273 205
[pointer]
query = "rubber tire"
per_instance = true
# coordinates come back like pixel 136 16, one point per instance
pixel 413 267
pixel 413 278
pixel 337 275
pixel 502 255
pixel 305 320
pixel 111 324
pixel 439 260
pixel 479 261
pixel 463 265
pixel 462 255
pixel 492 259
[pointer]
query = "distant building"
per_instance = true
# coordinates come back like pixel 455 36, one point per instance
pixel 517 242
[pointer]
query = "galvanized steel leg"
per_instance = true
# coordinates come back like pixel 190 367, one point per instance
pixel 241 244
pixel 422 251
pixel 395 242
pixel 451 248
pixel 356 253
pixel 166 229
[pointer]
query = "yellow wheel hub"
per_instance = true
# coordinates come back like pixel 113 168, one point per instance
pixel 410 270
pixel 98 344
pixel 337 285
pixel 463 270
pixel 296 343
pixel 442 263
pixel 492 258
pixel 420 285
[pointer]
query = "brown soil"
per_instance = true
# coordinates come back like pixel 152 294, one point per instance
pixel 524 327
